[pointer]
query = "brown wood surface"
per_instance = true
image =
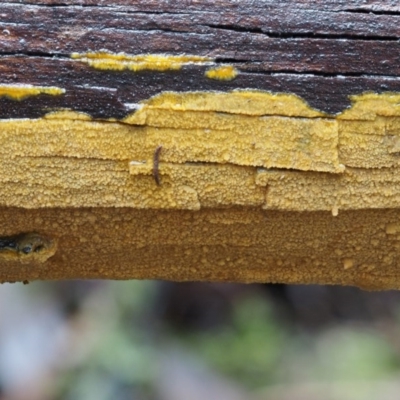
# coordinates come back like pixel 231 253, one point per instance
pixel 321 51
pixel 240 244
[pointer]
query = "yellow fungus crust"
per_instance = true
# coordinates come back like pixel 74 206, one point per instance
pixel 356 188
pixel 68 114
pixel 232 169
pixel 19 92
pixel 140 62
pixel 245 148
pixel 224 73
pixel 368 106
pixel 241 102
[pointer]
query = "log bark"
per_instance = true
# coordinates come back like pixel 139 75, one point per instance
pixel 251 141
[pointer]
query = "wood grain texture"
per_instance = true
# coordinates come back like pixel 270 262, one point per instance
pixel 321 51
pixel 228 245
pixel 108 93
pixel 252 184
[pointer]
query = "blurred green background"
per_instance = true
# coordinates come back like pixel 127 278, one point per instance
pixel 171 341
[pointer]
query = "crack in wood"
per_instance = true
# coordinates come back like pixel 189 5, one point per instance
pixel 301 35
pixel 369 11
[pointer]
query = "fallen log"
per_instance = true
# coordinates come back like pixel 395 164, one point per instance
pixel 247 141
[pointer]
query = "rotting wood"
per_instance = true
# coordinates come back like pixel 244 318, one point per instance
pixel 278 123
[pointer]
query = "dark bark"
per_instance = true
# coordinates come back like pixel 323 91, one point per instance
pixel 322 52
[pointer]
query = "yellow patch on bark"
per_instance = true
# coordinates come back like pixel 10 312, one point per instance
pixel 231 168
pixel 245 148
pixel 19 92
pixel 140 62
pixel 223 73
